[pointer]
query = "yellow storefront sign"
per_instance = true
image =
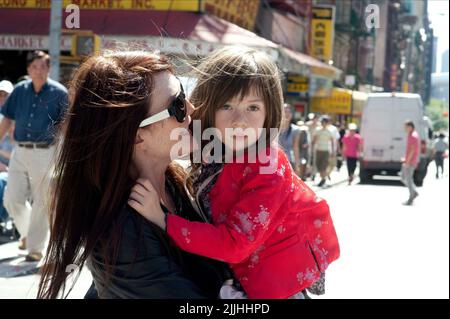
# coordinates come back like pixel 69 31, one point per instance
pixel 162 5
pixel 322 32
pixel 240 12
pixel 297 84
pixel 297 88
pixel 326 72
pixel 339 102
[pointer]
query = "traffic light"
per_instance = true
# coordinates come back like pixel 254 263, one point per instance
pixel 84 44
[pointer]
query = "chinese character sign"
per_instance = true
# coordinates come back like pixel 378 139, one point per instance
pixel 297 84
pixel 240 12
pixel 161 5
pixel 322 32
pixel 339 102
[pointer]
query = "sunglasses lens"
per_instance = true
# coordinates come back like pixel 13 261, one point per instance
pixel 180 108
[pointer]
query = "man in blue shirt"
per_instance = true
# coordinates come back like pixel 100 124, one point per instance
pixel 36 106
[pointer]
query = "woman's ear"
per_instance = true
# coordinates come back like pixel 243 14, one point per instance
pixel 138 140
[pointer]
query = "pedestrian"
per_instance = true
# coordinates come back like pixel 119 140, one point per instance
pixel 313 125
pixel 104 148
pixel 253 209
pixel 440 146
pixel 304 149
pixel 342 132
pixel 323 144
pixel 6 146
pixel 410 161
pixel 6 88
pixel 290 138
pixel 332 161
pixel 36 106
pixel 351 148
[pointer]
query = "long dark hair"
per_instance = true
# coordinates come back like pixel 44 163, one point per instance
pixel 109 97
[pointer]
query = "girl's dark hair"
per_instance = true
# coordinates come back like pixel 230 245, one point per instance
pixel 235 72
pixel 109 96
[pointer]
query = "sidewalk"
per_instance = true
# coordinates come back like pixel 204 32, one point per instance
pixel 20 279
pixel 336 178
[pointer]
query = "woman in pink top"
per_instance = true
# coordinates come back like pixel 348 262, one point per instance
pixel 351 143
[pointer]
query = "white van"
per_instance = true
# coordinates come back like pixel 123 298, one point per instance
pixel 384 137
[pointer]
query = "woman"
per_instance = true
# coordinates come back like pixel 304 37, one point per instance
pixel 351 143
pixel 123 107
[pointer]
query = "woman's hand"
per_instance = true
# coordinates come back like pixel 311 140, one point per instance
pixel 146 201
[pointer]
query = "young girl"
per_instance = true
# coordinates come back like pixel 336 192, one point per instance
pixel 273 231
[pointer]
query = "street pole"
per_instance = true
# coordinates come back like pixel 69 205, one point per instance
pixel 405 80
pixel 355 85
pixel 55 38
pixel 351 108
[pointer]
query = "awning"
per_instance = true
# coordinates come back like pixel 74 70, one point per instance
pixel 169 29
pixel 296 61
pixel 172 24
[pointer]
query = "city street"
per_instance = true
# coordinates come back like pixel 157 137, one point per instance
pixel 91 102
pixel 387 250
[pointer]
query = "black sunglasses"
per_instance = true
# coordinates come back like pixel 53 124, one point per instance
pixel 176 109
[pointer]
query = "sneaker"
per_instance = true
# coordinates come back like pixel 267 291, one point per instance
pixel 36 256
pixel 409 202
pixel 23 244
pixel 322 182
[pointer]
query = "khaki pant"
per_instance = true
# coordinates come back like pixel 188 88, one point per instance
pixel 28 181
pixel 332 163
pixel 322 161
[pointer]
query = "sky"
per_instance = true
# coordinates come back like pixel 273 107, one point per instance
pixel 438 11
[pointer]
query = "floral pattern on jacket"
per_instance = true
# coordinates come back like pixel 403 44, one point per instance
pixel 275 233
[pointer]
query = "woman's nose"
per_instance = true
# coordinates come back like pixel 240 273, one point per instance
pixel 190 108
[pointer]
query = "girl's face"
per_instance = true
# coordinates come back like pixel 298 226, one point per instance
pixel 239 119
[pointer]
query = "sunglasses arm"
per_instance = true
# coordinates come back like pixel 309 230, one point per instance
pixel 155 118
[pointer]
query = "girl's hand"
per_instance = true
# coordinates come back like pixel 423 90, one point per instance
pixel 145 200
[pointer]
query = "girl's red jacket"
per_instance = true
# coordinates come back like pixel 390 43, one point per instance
pixel 273 230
